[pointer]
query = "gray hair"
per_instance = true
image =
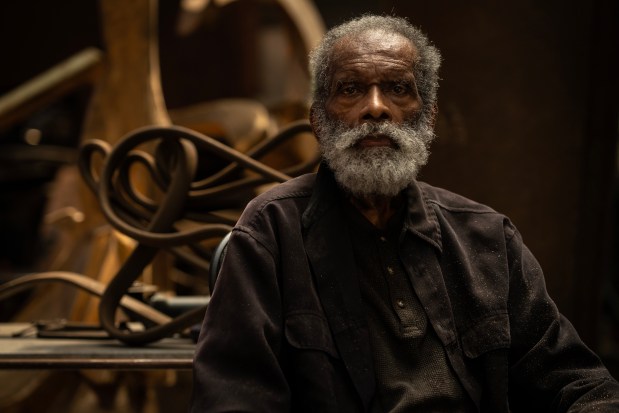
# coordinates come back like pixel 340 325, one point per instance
pixel 425 68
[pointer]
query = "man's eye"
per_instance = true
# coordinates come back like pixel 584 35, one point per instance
pixel 399 89
pixel 349 90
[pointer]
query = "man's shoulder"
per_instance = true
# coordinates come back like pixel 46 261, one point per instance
pixel 295 190
pixel 299 187
pixel 450 201
pixel 463 212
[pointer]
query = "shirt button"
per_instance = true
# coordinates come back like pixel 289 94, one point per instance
pixel 390 270
pixel 400 303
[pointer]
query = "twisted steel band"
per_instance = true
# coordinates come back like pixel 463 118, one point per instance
pixel 154 223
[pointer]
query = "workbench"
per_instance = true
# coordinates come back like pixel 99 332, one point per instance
pixel 99 353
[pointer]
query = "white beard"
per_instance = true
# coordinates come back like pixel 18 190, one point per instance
pixel 374 171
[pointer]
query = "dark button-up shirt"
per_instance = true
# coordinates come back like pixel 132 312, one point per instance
pixel 411 367
pixel 286 330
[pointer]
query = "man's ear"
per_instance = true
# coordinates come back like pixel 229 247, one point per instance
pixel 314 122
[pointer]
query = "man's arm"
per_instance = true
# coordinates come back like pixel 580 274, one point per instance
pixel 237 366
pixel 551 369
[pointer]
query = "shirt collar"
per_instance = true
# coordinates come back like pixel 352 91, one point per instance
pixel 420 219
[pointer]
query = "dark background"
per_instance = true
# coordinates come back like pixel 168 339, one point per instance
pixel 528 116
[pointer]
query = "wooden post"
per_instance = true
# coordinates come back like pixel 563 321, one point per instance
pixel 127 96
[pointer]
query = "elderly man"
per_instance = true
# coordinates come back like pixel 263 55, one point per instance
pixel 361 289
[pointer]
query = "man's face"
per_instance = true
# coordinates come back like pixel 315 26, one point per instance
pixel 372 131
pixel 372 80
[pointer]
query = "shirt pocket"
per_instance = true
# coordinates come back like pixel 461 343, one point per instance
pixel 486 334
pixel 309 331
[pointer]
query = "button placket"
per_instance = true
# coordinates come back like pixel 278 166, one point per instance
pixel 397 283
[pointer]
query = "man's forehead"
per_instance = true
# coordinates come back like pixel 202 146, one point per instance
pixel 374 41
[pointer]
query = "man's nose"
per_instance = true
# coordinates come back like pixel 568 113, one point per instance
pixel 375 106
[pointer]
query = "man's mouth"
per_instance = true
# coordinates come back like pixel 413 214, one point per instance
pixel 374 141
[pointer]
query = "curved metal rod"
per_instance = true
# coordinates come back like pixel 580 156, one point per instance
pixel 171 207
pixel 154 226
pixel 85 161
pixel 124 177
pixel 176 133
pixel 255 152
pixel 82 282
